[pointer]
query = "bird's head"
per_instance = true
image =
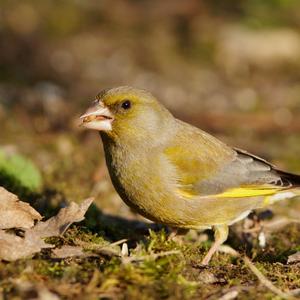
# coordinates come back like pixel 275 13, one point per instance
pixel 126 112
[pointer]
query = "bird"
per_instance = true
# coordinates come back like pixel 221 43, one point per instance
pixel 176 174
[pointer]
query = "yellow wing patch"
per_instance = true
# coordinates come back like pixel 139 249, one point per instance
pixel 240 192
pixel 253 191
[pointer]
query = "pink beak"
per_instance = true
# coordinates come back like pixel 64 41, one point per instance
pixel 98 117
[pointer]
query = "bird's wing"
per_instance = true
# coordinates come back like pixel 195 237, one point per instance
pixel 238 175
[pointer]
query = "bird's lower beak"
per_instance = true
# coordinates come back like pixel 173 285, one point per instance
pixel 98 117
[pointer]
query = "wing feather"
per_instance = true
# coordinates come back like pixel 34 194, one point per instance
pixel 245 175
pixel 209 167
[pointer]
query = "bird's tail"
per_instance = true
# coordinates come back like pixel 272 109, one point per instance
pixel 290 179
pixel 291 187
pixel 294 180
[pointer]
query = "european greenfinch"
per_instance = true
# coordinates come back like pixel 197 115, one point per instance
pixel 176 174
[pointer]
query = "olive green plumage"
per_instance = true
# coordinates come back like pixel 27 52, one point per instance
pixel 176 174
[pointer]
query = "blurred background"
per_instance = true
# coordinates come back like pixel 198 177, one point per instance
pixel 229 67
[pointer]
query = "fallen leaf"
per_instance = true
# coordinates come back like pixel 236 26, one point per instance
pixel 294 258
pixel 68 251
pixel 15 213
pixel 13 247
pixel 58 224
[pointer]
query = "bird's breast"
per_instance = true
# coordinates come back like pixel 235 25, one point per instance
pixel 144 180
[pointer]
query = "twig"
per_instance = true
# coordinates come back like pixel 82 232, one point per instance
pixel 279 223
pixel 267 283
pixel 118 242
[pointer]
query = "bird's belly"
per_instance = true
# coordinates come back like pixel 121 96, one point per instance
pixel 197 216
pixel 163 206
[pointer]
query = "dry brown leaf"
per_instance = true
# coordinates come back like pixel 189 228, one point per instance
pixel 58 224
pixel 13 247
pixel 68 251
pixel 15 213
pixel 294 258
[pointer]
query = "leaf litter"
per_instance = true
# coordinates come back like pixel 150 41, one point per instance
pixel 294 258
pixel 20 215
pixel 15 213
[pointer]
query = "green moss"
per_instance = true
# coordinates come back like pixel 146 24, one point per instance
pixel 52 269
pixel 150 277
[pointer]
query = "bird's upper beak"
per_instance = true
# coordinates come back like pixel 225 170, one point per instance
pixel 98 117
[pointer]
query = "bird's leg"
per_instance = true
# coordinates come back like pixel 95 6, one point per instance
pixel 221 234
pixel 176 234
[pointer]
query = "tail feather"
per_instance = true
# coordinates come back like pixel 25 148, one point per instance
pixel 291 187
pixel 289 179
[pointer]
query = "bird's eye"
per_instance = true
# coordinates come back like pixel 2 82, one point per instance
pixel 126 104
